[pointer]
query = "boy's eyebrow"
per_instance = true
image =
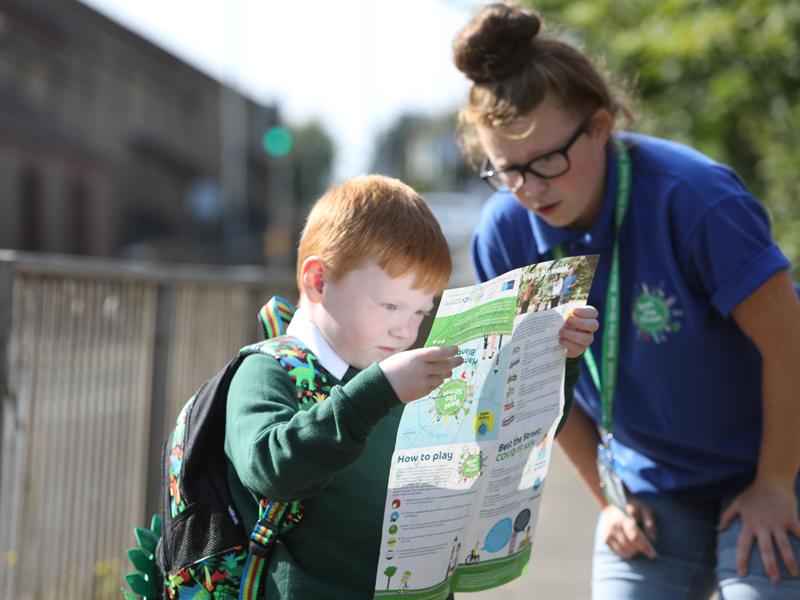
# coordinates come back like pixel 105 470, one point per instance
pixel 426 309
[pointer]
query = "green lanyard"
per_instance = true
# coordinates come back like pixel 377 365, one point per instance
pixel 610 350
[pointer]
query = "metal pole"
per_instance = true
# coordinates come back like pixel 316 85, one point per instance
pixel 233 139
pixel 6 299
pixel 7 438
pixel 165 304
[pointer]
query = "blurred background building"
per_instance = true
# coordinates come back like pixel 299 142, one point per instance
pixel 111 146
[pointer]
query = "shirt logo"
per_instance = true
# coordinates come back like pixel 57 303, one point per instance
pixel 655 314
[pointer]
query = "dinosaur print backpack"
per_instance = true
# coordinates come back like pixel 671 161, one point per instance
pixel 204 550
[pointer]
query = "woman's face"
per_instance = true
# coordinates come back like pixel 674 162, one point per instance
pixel 574 198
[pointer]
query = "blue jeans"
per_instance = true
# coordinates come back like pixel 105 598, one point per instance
pixel 694 559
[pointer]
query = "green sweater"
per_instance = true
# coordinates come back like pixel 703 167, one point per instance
pixel 336 456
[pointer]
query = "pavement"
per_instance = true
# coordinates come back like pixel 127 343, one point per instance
pixel 561 560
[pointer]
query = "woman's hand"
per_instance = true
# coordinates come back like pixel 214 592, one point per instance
pixel 623 534
pixel 577 333
pixel 769 514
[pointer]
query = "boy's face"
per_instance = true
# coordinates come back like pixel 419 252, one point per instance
pixel 368 316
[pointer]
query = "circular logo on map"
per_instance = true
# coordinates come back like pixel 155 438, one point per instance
pixel 470 464
pixel 451 397
pixel 484 422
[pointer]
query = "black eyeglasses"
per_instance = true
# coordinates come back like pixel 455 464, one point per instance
pixel 545 166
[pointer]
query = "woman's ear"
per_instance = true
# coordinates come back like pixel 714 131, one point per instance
pixel 601 125
pixel 312 277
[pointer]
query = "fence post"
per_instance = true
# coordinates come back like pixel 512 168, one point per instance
pixel 165 304
pixel 7 438
pixel 6 299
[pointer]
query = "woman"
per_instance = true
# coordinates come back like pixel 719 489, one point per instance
pixel 695 380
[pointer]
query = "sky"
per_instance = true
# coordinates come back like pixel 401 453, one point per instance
pixel 355 65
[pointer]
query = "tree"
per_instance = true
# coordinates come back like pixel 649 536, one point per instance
pixel 389 572
pixel 720 75
pixel 306 176
pixel 423 151
pixel 313 155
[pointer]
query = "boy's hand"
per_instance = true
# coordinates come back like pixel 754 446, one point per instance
pixel 578 331
pixel 416 373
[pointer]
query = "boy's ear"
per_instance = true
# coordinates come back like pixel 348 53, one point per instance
pixel 312 277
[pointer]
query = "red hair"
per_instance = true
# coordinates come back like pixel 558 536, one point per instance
pixel 376 218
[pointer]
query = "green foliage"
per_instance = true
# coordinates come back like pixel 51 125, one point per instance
pixel 720 75
pixel 312 163
pixel 389 572
pixel 423 152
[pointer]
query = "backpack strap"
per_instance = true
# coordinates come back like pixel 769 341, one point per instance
pixel 273 520
pixel 312 385
pixel 275 316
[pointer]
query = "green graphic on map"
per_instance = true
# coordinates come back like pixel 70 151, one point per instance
pixel 496 316
pixel 470 464
pixel 451 398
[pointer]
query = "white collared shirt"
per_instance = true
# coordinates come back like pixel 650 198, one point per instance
pixel 304 330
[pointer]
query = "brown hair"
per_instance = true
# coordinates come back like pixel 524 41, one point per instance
pixel 514 67
pixel 378 218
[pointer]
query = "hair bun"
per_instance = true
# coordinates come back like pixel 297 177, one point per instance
pixel 496 43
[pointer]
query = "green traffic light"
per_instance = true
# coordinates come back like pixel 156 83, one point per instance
pixel 277 141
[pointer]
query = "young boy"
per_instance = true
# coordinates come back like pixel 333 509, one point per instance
pixel 370 261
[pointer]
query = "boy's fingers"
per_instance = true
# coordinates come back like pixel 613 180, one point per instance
pixel 586 312
pixel 445 368
pixel 437 353
pixel 435 380
pixel 577 323
pixel 583 338
pixel 442 363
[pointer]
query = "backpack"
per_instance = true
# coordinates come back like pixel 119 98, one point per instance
pixel 198 547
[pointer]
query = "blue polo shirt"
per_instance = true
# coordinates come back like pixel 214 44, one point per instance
pixel 687 413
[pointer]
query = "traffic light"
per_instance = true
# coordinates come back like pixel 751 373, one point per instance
pixel 277 141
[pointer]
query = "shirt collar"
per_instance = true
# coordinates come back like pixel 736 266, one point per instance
pixel 307 332
pixel 599 236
